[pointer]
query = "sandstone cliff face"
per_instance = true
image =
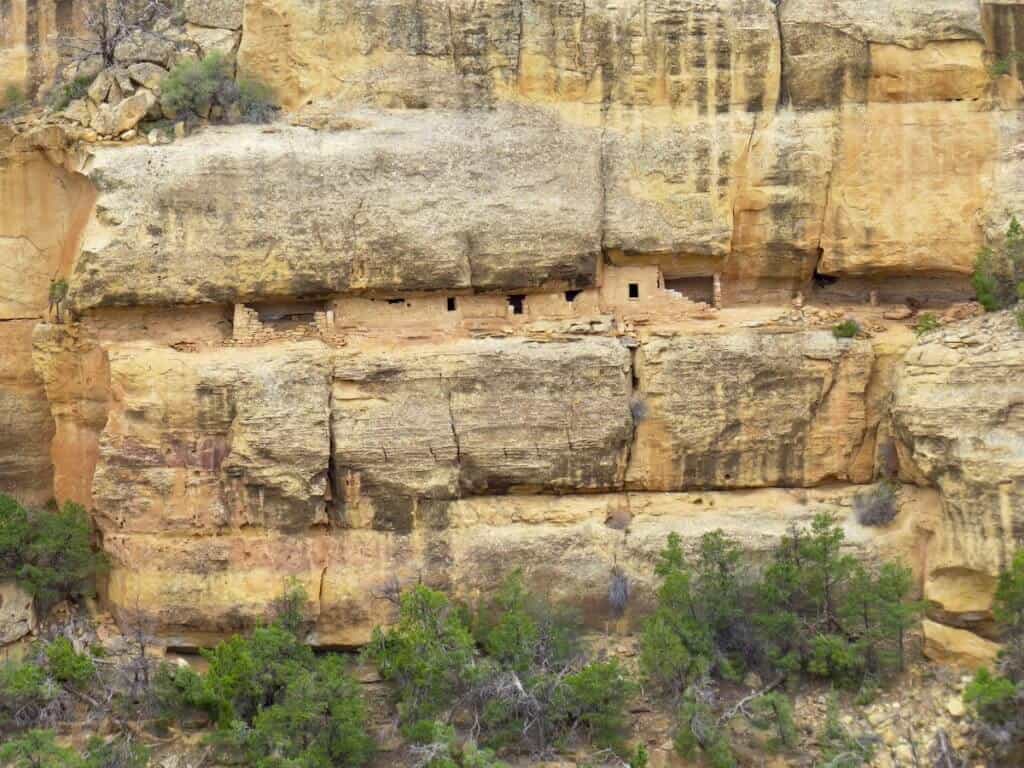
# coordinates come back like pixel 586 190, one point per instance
pixel 451 314
pixel 958 414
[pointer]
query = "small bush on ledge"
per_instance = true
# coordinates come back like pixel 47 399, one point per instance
pixel 196 87
pixel 846 329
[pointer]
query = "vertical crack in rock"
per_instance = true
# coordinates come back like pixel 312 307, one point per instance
pixel 784 97
pixel 333 488
pixel 455 434
pixel 636 412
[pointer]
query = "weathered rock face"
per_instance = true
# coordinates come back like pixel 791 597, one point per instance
pixel 782 410
pixel 394 203
pixel 43 208
pixel 199 442
pixel 442 319
pixel 477 418
pixel 959 415
pixel 568 547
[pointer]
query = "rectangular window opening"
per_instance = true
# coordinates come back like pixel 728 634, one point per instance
pixel 516 302
pixel 571 295
pixel 634 290
pixel 451 303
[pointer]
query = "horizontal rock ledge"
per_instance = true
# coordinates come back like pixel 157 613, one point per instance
pixel 197 589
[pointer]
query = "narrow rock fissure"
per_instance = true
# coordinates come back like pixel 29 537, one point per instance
pixel 783 98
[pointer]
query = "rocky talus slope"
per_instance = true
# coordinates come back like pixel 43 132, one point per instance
pixel 516 283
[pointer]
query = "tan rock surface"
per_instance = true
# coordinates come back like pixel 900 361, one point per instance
pixel 17 616
pixel 958 415
pixel 25 422
pixel 199 588
pixel 228 438
pixel 476 418
pixel 382 206
pixel 957 646
pixel 782 409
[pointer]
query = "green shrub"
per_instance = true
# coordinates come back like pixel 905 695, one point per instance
pixel 65 93
pixel 596 698
pixel 37 749
pixel 48 553
pixel 676 643
pixel 118 752
pixel 428 654
pixel 840 748
pixel 24 690
pixel 774 710
pixel 319 722
pixel 193 87
pixel 67 666
pixel 847 329
pixel 274 702
pixel 926 323
pixel 993 698
pixel 999 272
pixel 58 560
pixel 998 698
pixel 14 99
pixel 698 733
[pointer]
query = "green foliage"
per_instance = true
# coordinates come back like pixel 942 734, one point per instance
pixel 998 698
pixel 24 689
pixel 48 553
pixel 926 323
pixel 193 86
pixel 15 533
pixel 993 697
pixel 840 748
pixel 14 99
pixel 58 560
pixel 595 697
pixel 118 752
pixel 774 710
pixel 847 329
pixel 67 666
pixel 275 704
pixel 533 688
pixel 1003 65
pixel 65 93
pixel 428 654
pixel 37 749
pixel 999 272
pixel 318 722
pixel 699 733
pixel 676 644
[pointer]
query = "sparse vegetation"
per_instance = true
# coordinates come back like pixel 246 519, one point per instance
pixel 876 505
pixel 814 611
pixel 49 553
pixel 926 323
pixel 61 96
pixel 847 329
pixel 998 277
pixel 997 698
pixel 14 99
pixel 533 686
pixel 195 87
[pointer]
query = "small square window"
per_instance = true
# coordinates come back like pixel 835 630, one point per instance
pixel 634 290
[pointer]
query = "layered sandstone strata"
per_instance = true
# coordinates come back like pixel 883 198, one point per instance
pixel 959 415
pixel 451 313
